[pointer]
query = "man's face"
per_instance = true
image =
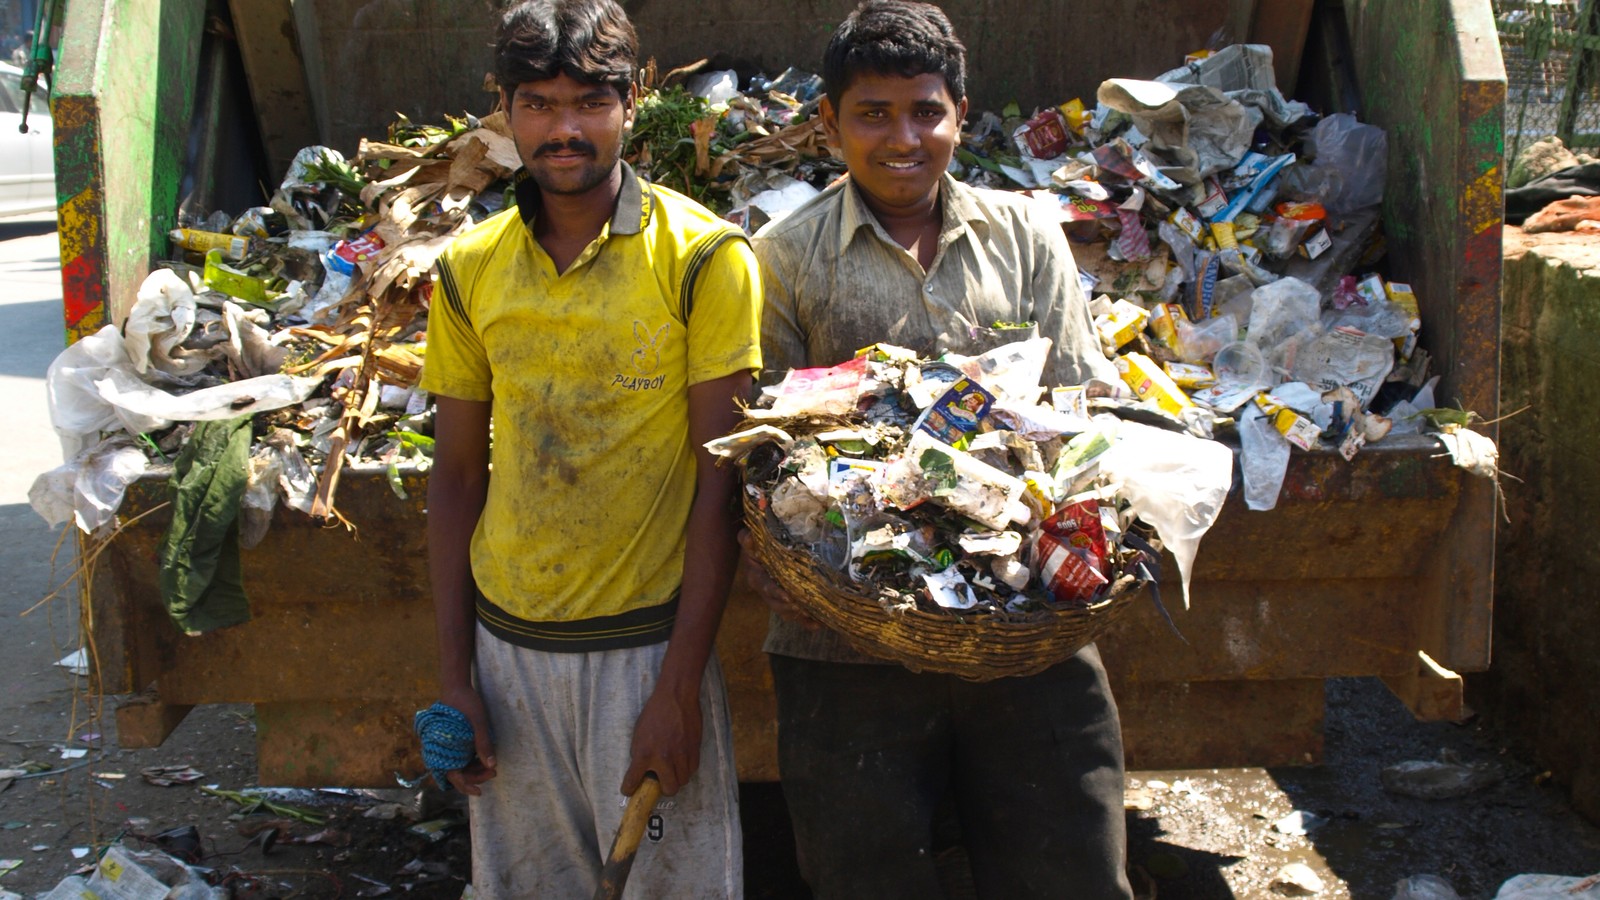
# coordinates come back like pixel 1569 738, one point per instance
pixel 568 132
pixel 897 135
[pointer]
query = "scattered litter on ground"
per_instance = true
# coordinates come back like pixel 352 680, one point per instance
pixel 1299 823
pixel 252 803
pixel 76 662
pixel 168 776
pixel 1297 880
pixel 1424 887
pixel 1439 779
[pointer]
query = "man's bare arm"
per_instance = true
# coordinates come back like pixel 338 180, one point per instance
pixel 458 485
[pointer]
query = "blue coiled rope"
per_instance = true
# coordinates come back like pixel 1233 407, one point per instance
pixel 447 740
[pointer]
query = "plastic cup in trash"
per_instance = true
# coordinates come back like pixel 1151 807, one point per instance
pixel 1239 363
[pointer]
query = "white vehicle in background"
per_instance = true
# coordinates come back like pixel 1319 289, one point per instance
pixel 27 161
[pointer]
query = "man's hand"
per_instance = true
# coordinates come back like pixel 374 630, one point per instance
pixel 482 767
pixel 770 592
pixel 666 740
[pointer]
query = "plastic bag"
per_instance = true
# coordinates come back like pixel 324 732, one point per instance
pixel 1198 342
pixel 1424 887
pixel 1280 310
pixel 161 320
pixel 263 470
pixel 77 409
pixel 89 488
pixel 1358 153
pixel 1439 779
pixel 1344 357
pixel 1174 482
pixel 1385 320
pixel 1263 459
pixel 1011 372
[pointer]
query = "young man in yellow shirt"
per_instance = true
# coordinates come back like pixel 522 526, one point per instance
pixel 605 326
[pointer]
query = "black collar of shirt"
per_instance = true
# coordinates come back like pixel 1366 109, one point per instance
pixel 630 216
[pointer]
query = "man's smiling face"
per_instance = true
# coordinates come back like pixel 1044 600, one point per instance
pixel 897 135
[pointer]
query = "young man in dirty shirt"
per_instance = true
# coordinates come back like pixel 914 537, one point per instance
pixel 605 326
pixel 900 252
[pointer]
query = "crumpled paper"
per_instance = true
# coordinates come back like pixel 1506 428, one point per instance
pixel 1193 126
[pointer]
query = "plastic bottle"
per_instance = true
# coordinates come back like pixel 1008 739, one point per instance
pixel 232 246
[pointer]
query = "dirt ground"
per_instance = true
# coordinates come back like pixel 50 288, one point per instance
pixel 1199 834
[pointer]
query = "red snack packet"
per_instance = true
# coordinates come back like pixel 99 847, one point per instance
pixel 1046 136
pixel 1071 553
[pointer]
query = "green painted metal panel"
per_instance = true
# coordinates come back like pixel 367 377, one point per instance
pixel 125 79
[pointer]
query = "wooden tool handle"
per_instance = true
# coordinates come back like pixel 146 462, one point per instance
pixel 614 875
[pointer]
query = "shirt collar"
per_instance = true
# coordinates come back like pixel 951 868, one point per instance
pixel 957 211
pixel 634 202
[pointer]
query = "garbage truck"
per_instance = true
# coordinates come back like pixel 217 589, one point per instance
pixel 1382 565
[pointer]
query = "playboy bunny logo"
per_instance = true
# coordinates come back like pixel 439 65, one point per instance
pixel 648 357
pixel 646 360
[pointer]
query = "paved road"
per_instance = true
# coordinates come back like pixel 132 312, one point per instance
pixel 31 334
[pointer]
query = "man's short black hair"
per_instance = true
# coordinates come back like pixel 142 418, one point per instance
pixel 588 40
pixel 894 37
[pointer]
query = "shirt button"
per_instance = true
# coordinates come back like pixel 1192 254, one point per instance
pixel 930 288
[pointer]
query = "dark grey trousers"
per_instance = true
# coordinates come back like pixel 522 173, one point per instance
pixel 1033 767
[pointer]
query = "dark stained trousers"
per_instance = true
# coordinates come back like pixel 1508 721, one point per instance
pixel 1033 766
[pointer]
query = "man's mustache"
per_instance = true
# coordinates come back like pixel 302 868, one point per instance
pixel 574 146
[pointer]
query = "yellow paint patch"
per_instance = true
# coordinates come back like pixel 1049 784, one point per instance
pixel 1480 202
pixel 78 226
pixel 90 323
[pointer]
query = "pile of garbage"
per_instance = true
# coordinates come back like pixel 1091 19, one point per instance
pixel 1230 241
pixel 1228 237
pixel 309 314
pixel 955 483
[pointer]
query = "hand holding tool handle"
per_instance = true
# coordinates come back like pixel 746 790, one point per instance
pixel 614 875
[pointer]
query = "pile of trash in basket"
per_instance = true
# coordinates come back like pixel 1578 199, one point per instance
pixel 1228 236
pixel 949 484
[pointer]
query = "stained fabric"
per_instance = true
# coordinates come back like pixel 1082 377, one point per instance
pixel 201 581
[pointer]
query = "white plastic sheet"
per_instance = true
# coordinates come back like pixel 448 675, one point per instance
pixel 89 488
pixel 1263 459
pixel 1174 482
pixel 77 410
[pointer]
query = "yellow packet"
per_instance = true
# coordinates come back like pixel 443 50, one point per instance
pixel 1190 376
pixel 1151 383
pixel 1298 430
pixel 1122 325
pixel 1401 295
pixel 1074 113
pixel 1188 223
pixel 1164 323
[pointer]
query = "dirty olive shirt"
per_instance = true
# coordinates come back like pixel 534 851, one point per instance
pixel 835 282
pixel 580 544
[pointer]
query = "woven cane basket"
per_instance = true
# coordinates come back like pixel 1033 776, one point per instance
pixel 979 647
